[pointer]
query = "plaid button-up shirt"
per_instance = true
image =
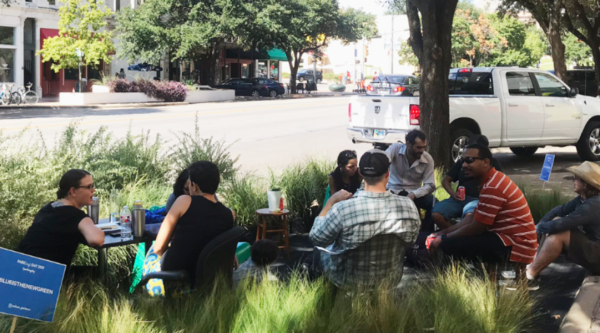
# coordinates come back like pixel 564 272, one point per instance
pixel 352 254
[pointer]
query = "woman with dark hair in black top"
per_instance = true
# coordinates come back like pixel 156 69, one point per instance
pixel 60 226
pixel 193 220
pixel 345 176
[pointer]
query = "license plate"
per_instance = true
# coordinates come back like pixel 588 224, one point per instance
pixel 378 134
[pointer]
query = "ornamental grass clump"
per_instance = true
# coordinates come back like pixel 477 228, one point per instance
pixel 454 300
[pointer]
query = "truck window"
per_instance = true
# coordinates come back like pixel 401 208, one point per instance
pixel 473 83
pixel 549 86
pixel 591 89
pixel 519 84
pixel 451 80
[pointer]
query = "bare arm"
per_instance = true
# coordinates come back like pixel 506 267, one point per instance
pixel 92 234
pixel 165 233
pixel 335 198
pixel 455 227
pixel 447 184
pixel 469 229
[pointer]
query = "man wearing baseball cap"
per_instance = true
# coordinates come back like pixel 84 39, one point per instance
pixel 386 223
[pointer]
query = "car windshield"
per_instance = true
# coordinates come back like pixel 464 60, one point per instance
pixel 390 79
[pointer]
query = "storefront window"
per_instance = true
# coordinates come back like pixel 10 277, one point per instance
pixel 262 69
pixel 274 70
pixel 7 65
pixel 72 74
pixel 245 71
pixel 7 36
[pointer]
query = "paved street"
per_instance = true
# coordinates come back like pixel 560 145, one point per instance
pixel 272 133
pixel 265 133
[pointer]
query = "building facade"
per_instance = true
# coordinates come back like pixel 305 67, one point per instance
pixel 24 24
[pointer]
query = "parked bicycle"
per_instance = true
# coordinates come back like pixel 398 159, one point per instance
pixel 28 96
pixel 7 96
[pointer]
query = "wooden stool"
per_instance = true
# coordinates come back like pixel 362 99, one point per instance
pixel 283 230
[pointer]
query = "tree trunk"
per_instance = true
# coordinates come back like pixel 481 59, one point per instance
pixel 212 58
pixel 294 63
pixel 596 55
pixel 556 45
pixel 590 34
pixel 433 45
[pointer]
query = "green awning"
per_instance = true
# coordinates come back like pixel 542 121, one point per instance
pixel 277 54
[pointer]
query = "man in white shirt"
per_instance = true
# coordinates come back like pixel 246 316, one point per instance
pixel 412 173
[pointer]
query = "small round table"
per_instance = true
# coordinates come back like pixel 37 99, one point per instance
pixel 283 230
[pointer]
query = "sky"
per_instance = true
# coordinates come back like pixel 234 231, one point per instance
pixel 376 7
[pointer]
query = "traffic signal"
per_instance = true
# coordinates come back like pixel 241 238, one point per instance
pixel 366 50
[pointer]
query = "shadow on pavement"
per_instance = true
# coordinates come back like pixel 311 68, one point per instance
pixel 8 113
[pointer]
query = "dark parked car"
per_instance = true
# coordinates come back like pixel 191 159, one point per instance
pixel 253 87
pixel 397 85
pixel 308 75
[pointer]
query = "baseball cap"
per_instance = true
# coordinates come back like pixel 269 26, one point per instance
pixel 374 163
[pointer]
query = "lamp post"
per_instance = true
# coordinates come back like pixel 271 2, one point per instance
pixel 80 55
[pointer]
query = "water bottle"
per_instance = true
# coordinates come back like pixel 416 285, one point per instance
pixel 126 224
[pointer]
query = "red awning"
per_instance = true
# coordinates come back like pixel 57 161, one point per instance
pixel 45 33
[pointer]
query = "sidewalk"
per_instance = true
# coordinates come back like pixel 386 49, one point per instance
pixel 52 103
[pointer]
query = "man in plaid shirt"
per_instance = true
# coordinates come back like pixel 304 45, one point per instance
pixel 362 239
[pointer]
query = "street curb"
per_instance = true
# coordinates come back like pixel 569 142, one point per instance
pixel 584 314
pixel 156 104
pixel 91 106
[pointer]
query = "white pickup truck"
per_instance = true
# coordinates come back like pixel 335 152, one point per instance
pixel 520 108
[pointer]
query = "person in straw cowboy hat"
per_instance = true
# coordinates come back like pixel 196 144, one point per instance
pixel 573 228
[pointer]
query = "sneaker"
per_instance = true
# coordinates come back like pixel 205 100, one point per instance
pixel 533 284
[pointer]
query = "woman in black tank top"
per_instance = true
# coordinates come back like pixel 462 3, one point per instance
pixel 193 221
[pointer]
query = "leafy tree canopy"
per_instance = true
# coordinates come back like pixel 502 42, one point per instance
pixel 177 28
pixel 578 52
pixel 81 26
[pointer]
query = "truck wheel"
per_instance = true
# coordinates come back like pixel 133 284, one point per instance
pixel 588 146
pixel 460 140
pixel 381 146
pixel 524 151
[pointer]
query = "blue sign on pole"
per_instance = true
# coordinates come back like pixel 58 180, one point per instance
pixel 547 168
pixel 29 286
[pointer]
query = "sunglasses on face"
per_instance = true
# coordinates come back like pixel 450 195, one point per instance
pixel 89 187
pixel 470 159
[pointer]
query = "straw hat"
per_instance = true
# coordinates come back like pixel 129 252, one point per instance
pixel 589 172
